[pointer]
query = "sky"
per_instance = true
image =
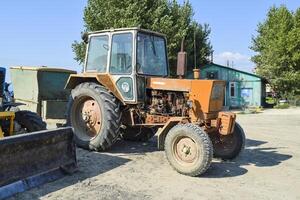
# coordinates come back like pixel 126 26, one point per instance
pixel 40 32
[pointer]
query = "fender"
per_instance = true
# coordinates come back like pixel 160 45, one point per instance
pixel 162 132
pixel 103 79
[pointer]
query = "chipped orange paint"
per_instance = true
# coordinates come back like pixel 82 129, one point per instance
pixel 103 79
pixel 200 92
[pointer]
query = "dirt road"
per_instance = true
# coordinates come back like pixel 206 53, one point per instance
pixel 269 168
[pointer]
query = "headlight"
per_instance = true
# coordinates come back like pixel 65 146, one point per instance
pixel 125 87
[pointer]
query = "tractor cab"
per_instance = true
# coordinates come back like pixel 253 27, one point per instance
pixel 127 52
pixel 127 56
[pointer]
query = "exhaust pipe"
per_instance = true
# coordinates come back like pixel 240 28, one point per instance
pixel 181 61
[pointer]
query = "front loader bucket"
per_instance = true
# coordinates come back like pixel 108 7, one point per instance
pixel 32 159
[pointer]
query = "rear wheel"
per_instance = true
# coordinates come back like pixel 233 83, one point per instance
pixel 229 146
pixel 27 121
pixel 188 149
pixel 138 133
pixel 95 115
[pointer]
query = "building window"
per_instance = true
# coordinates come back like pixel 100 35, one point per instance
pixel 232 86
pixel 212 75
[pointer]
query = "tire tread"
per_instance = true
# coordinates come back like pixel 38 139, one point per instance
pixel 111 109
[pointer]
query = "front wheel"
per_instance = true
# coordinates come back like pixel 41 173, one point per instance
pixel 95 115
pixel 188 149
pixel 229 146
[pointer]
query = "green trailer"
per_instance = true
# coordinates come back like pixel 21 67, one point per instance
pixel 41 89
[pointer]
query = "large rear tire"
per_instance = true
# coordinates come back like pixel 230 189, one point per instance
pixel 229 146
pixel 29 122
pixel 138 133
pixel 188 149
pixel 95 115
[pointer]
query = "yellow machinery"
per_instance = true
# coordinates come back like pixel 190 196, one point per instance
pixel 10 116
pixel 30 155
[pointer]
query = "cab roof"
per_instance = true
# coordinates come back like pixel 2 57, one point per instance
pixel 127 29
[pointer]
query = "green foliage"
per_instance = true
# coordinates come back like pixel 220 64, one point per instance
pixel 270 100
pixel 277 45
pixel 168 17
pixel 282 106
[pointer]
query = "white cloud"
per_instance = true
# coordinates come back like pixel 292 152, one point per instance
pixel 238 60
pixel 233 56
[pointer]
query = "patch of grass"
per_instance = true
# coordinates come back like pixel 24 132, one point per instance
pixel 282 106
pixel 270 100
pixel 251 110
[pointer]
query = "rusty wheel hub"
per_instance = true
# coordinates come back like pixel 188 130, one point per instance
pixel 186 150
pixel 91 117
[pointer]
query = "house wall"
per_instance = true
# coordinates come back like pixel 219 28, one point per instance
pixel 248 88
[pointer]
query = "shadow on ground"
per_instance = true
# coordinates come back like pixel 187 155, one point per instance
pixel 135 148
pixel 90 164
pixel 253 154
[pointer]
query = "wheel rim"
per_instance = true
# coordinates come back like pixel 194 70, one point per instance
pixel 86 117
pixel 185 150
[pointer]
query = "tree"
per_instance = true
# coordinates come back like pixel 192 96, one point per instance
pixel 168 17
pixel 277 45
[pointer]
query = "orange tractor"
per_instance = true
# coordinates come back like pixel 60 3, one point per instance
pixel 125 91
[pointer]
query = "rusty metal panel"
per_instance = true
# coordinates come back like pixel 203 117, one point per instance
pixel 200 93
pixel 103 79
pixel 152 119
pixel 200 96
pixel 217 96
pixel 181 64
pixel 226 122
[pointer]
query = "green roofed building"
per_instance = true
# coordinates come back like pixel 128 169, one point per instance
pixel 242 88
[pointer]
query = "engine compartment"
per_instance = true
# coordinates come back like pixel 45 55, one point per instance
pixel 159 106
pixel 170 103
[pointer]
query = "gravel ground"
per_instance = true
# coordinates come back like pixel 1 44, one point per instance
pixel 269 168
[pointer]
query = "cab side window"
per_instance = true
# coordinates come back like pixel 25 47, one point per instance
pixel 97 54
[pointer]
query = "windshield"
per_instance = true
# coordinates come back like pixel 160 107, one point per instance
pixel 97 54
pixel 151 55
pixel 121 54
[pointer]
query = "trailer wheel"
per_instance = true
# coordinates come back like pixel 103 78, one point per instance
pixel 95 115
pixel 140 134
pixel 188 149
pixel 229 146
pixel 27 121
